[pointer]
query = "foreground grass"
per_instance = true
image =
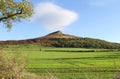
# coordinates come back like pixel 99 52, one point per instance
pixel 70 63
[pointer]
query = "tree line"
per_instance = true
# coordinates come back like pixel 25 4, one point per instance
pixel 86 43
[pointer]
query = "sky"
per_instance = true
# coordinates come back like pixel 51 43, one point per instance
pixel 98 19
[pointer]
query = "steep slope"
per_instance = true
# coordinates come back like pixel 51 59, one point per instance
pixel 58 34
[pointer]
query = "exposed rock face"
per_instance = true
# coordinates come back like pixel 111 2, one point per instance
pixel 59 34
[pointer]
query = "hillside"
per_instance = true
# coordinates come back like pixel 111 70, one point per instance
pixel 59 34
pixel 58 39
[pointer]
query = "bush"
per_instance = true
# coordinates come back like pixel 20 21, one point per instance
pixel 13 67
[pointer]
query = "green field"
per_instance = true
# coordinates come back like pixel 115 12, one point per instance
pixel 69 63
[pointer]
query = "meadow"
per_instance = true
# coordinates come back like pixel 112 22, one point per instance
pixel 69 63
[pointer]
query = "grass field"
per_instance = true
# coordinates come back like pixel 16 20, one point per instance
pixel 70 63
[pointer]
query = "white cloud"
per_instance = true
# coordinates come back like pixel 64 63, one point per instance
pixel 53 17
pixel 101 2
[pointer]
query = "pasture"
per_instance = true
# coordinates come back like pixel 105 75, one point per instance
pixel 69 63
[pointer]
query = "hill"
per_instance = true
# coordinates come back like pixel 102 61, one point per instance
pixel 59 34
pixel 58 39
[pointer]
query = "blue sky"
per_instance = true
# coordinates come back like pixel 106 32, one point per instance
pixel 90 18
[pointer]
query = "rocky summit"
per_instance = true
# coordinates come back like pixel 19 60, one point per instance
pixel 58 34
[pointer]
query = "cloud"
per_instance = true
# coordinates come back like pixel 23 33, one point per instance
pixel 53 17
pixel 101 2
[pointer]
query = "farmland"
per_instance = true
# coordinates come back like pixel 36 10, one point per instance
pixel 69 63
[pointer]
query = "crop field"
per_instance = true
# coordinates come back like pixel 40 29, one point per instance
pixel 70 63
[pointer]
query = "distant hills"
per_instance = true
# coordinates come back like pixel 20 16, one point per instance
pixel 58 39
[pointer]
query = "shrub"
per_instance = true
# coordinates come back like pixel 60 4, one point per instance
pixel 13 67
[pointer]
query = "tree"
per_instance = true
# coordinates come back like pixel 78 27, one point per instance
pixel 14 11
